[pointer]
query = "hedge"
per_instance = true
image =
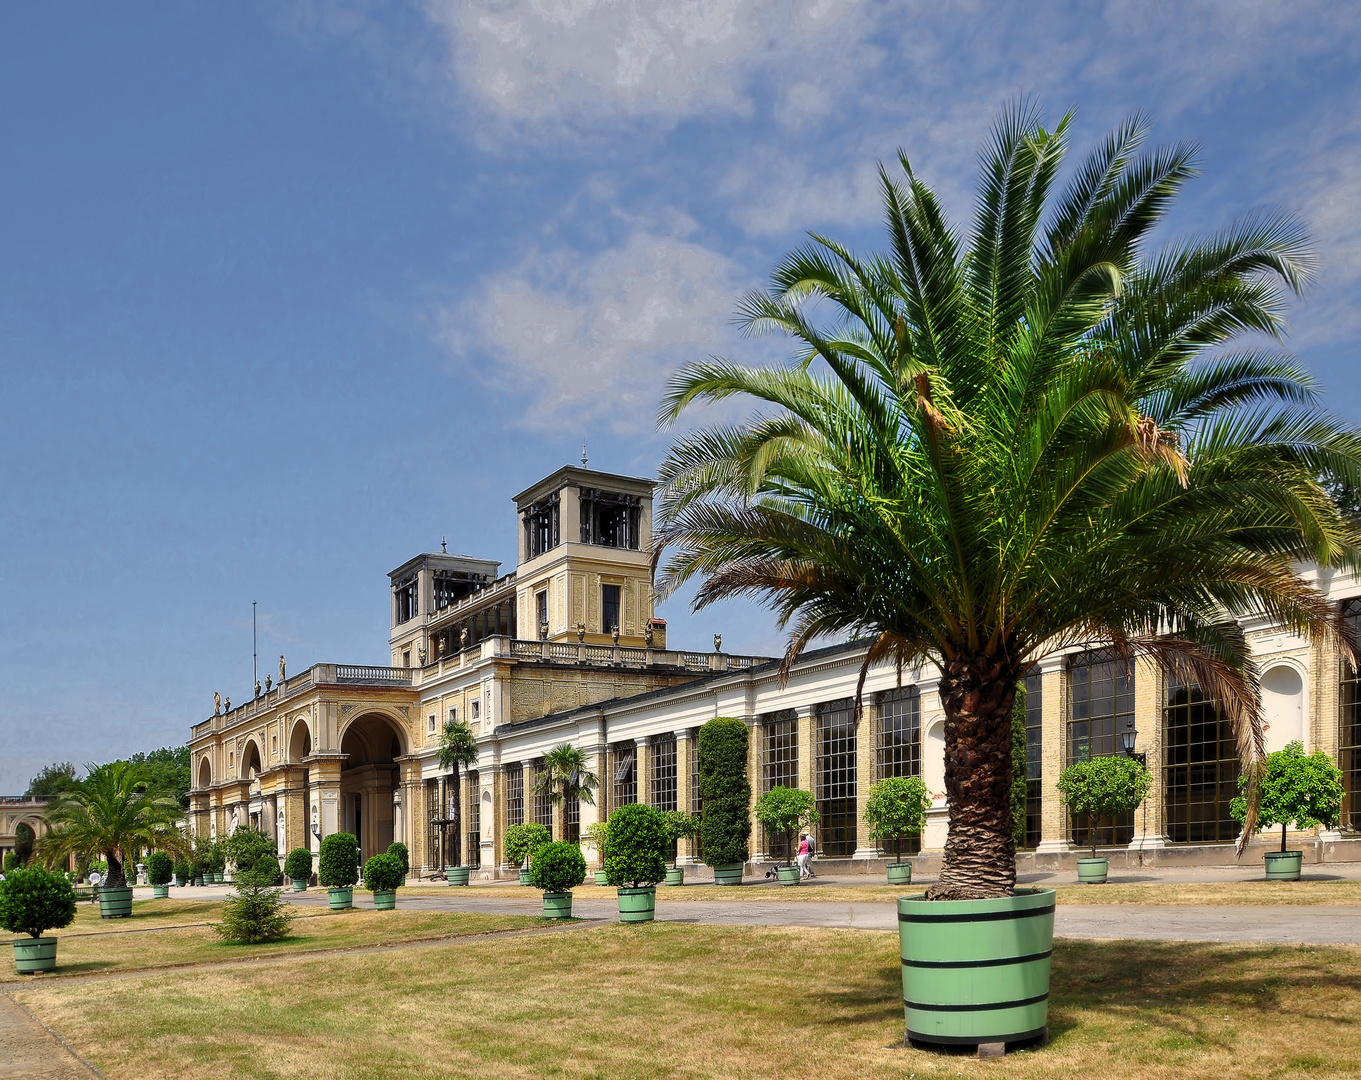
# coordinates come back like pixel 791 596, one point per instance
pixel 725 791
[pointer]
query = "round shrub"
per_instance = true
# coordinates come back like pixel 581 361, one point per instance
pixel 32 900
pixel 1103 787
pixel 522 841
pixel 383 872
pixel 635 849
pixel 184 872
pixel 160 868
pixel 338 863
pixel 557 867
pixel 298 865
pixel 896 809
pixel 725 791
pixel 400 850
pixel 784 811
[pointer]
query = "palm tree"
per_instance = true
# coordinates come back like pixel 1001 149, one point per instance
pixel 566 779
pixel 110 813
pixel 996 443
pixel 457 749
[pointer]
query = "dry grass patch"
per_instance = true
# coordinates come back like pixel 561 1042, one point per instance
pixel 155 942
pixel 688 1002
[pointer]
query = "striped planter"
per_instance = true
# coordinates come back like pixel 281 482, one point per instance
pixel 602 878
pixel 557 905
pixel 787 875
pixel 299 884
pixel 731 874
pixel 1284 865
pixel 637 905
pixel 160 892
pixel 457 875
pixel 115 903
pixel 384 899
pixel 675 876
pixel 976 971
pixel 1092 871
pixel 900 873
pixel 524 877
pixel 341 899
pixel 33 955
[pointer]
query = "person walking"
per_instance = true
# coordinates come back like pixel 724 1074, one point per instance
pixel 94 885
pixel 805 853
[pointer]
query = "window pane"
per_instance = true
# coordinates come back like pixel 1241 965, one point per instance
pixel 1200 768
pixel 1349 734
pixel 1101 705
pixel 836 777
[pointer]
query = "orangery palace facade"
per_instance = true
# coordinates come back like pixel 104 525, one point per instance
pixel 567 649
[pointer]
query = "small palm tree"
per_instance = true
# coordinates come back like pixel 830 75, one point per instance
pixel 457 750
pixel 111 814
pixel 565 779
pixel 998 443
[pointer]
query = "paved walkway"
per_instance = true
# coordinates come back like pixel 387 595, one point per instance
pixel 29 1051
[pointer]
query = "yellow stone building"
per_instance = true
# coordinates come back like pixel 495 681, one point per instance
pixel 566 649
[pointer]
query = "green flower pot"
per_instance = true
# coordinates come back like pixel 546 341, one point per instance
pixel 33 955
pixel 524 877
pixel 385 899
pixel 299 884
pixel 1092 871
pixel 160 892
pixel 457 875
pixel 217 879
pixel 557 905
pixel 115 903
pixel 976 971
pixel 341 899
pixel 900 873
pixel 637 905
pixel 675 876
pixel 731 874
pixel 787 875
pixel 199 880
pixel 602 878
pixel 1284 865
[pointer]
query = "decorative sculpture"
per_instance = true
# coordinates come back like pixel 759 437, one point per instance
pixel 718 643
pixel 217 703
pixel 420 655
pixel 463 638
pixel 647 635
pixel 257 687
pixel 581 631
pixel 614 633
pixel 269 681
pixel 227 704
pixel 281 669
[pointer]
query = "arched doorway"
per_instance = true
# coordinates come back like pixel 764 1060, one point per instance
pixel 250 762
pixel 299 750
pixel 205 774
pixel 368 778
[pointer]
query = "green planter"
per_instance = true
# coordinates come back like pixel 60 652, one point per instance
pixel 160 892
pixel 457 875
pixel 637 905
pixel 900 873
pixel 115 903
pixel 731 874
pixel 217 879
pixel 675 876
pixel 602 878
pixel 32 955
pixel 788 875
pixel 385 899
pixel 976 971
pixel 341 898
pixel 1092 871
pixel 524 877
pixel 199 880
pixel 557 905
pixel 1284 865
pixel 299 884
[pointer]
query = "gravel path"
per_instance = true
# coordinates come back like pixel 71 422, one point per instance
pixel 29 1051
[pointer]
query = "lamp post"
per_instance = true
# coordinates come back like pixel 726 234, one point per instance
pixel 1127 737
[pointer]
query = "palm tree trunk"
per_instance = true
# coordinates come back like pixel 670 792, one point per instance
pixel 1282 837
pixel 456 819
pixel 980 852
pixel 115 879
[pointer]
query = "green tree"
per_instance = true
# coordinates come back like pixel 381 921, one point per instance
pixel 783 811
pixel 896 809
pixel 167 772
pixel 1103 787
pixel 244 847
pixel 33 900
pixel 995 440
pixel 256 911
pixel 679 826
pixel 1018 767
pixel 1299 787
pixel 53 779
pixel 457 751
pixel 725 791
pixel 565 778
pixel 635 847
pixel 522 841
pixel 110 813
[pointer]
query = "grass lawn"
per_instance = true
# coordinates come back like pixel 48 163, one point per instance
pixel 688 1001
pixel 161 932
pixel 1333 893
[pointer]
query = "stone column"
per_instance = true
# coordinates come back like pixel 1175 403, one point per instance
pixel 1148 722
pixel 685 751
pixel 865 848
pixel 324 777
pixel 754 778
pixel 807 749
pixel 494 831
pixel 527 772
pixel 642 769
pixel 597 761
pixel 1053 718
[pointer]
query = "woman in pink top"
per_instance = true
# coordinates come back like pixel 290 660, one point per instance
pixel 805 853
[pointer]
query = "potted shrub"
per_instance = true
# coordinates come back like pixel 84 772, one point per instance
pixel 215 864
pixel 679 826
pixel 457 751
pixel 522 841
pixel 725 793
pixel 338 869
pixel 33 901
pixel 784 811
pixel 184 873
pixel 298 868
pixel 894 810
pixel 595 834
pixel 159 870
pixel 557 869
pixel 1298 787
pixel 1103 787
pixel 383 876
pixel 635 859
pixel 403 854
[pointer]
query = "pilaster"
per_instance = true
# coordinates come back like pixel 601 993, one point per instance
pixel 1148 713
pixel 865 848
pixel 1053 716
pixel 754 780
pixel 685 750
pixel 642 769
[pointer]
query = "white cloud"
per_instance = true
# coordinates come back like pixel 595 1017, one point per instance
pixel 592 338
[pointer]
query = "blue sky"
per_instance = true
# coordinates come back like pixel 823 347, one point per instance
pixel 290 291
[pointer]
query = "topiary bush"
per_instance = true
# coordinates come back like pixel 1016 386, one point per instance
pixel 1103 787
pixel 557 867
pixel 184 872
pixel 384 873
pixel 298 865
pixel 338 863
pixel 160 868
pixel 400 850
pixel 1299 787
pixel 725 791
pixel 32 901
pixel 522 841
pixel 895 809
pixel 635 849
